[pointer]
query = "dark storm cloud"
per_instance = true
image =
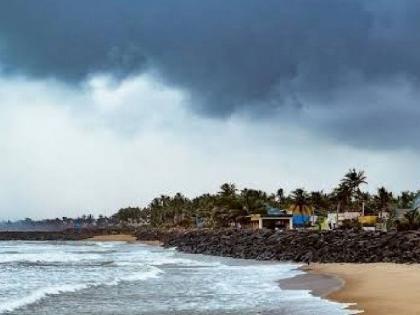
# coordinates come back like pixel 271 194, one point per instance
pixel 230 55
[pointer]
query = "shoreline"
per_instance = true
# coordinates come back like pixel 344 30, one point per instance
pixel 321 285
pixel 129 238
pixel 375 289
pixel 113 238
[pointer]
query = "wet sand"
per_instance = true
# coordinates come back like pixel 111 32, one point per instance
pixel 122 238
pixel 113 238
pixel 152 243
pixel 378 289
pixel 320 284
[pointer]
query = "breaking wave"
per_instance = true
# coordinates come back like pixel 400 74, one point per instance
pixel 48 257
pixel 39 294
pixel 76 271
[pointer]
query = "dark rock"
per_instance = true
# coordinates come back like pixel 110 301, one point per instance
pixel 299 246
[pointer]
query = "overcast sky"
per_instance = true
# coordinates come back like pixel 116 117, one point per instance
pixel 106 104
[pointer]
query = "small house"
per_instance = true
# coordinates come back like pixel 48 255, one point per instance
pixel 335 219
pixel 274 222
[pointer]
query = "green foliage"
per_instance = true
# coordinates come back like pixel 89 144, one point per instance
pixel 412 217
pixel 129 214
pixel 351 224
pixel 321 203
pixel 229 204
pixel 383 200
pixel 300 199
pixel 319 221
pixel 406 199
pixel 391 222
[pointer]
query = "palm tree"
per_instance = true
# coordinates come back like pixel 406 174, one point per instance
pixel 300 199
pixel 405 199
pixel 203 207
pixel 320 201
pixel 179 204
pixel 353 180
pixel 156 212
pixel 412 217
pixel 383 200
pixel 227 190
pixel 342 196
pixel 253 201
pixel 280 196
pixel 365 199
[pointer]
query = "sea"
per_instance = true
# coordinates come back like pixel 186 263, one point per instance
pixel 87 277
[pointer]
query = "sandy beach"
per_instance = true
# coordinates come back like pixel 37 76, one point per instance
pixel 122 238
pixel 378 289
pixel 113 238
pixel 320 284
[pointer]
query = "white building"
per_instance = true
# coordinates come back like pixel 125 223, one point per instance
pixel 336 219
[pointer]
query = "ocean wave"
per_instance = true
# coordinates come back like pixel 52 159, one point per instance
pixel 47 257
pixel 164 261
pixel 34 297
pixel 183 262
pixel 39 295
pixel 162 258
pixel 105 244
pixel 149 273
pixel 94 263
pixel 95 251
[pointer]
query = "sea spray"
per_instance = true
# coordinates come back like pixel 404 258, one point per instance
pixel 136 279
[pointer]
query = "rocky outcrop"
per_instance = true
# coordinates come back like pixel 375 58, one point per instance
pixel 68 235
pixel 298 246
pixel 151 234
pixel 163 235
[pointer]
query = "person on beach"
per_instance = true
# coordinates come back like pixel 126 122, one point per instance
pixel 308 258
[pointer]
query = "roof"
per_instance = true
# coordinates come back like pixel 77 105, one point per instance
pixel 273 212
pixel 255 217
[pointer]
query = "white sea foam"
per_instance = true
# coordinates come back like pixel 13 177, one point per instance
pixel 148 273
pixel 109 244
pixel 191 282
pixel 38 295
pixel 168 261
pixel 47 257
pixel 167 257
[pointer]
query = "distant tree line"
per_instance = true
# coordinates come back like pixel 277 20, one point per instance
pixel 230 204
pixel 58 224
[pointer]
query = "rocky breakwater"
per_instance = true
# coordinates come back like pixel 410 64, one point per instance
pixel 68 235
pixel 300 246
pixel 164 236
